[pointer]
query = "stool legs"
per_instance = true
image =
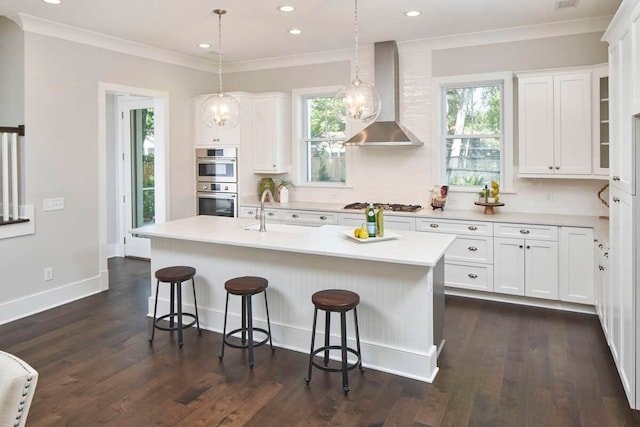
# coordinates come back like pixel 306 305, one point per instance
pixel 266 306
pixel 155 312
pixel 195 305
pixel 355 319
pixel 327 329
pixel 178 290
pixel 175 312
pixel 224 327
pixel 313 342
pixel 247 301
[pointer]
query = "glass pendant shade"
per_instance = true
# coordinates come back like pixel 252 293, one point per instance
pixel 221 110
pixel 358 101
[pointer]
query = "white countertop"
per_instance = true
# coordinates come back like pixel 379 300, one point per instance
pixel 412 248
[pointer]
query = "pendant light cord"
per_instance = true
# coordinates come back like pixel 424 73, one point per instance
pixel 357 67
pixel 220 52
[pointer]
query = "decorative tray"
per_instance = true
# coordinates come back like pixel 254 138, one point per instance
pixel 388 235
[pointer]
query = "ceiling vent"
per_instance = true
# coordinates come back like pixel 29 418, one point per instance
pixel 565 4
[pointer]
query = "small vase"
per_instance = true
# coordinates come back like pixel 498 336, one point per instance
pixel 284 195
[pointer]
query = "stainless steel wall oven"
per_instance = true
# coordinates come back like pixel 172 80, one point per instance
pixel 217 181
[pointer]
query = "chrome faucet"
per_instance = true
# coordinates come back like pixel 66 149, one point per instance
pixel 262 215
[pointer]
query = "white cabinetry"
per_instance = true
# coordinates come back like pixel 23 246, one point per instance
pixel 600 126
pixel 623 283
pixel 390 222
pixel 271 132
pixel 602 297
pixel 554 119
pixel 576 265
pixel 469 260
pixel 526 266
pixel 272 215
pixel 216 136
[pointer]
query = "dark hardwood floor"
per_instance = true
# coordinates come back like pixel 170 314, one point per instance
pixel 503 365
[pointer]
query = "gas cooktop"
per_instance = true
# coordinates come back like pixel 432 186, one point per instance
pixel 394 207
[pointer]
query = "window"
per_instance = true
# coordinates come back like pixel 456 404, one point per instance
pixel 475 131
pixel 321 149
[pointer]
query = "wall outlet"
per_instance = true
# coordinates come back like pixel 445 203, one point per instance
pixel 56 204
pixel 48 273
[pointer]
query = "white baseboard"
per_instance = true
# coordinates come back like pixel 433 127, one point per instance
pixel 32 304
pixel 113 250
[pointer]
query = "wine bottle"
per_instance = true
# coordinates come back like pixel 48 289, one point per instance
pixel 371 220
pixel 380 221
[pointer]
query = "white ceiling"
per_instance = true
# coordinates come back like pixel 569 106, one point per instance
pixel 255 29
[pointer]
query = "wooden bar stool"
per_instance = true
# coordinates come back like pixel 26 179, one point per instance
pixel 339 301
pixel 175 276
pixel 246 287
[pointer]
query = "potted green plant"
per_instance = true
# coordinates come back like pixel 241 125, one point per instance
pixel 282 190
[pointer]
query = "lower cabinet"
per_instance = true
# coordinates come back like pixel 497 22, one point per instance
pixel 390 222
pixel 576 265
pixel 526 267
pixel 310 218
pixel 602 289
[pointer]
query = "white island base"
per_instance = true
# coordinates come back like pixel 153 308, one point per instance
pixel 401 310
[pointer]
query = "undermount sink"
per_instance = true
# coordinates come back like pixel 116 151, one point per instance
pixel 285 228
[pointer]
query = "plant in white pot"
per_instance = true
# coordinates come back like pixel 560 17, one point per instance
pixel 282 190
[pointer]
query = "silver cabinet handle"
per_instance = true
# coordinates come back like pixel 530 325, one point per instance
pixel 550 167
pixel 615 178
pixel 472 248
pixel 615 199
pixel 250 212
pixel 601 246
pixel 557 167
pixel 433 225
pixel 294 216
pixel 520 246
pixel 323 217
pixel 271 214
pixel 606 255
pixel 472 276
pixel 528 247
pixel 601 268
pixel 523 231
pixel 472 227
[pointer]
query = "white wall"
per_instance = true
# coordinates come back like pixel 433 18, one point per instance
pixel 61 114
pixel 405 174
pixel 11 74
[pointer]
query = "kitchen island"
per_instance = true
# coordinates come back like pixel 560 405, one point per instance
pixel 400 283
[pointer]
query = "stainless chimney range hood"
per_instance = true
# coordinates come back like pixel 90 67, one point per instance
pixel 387 129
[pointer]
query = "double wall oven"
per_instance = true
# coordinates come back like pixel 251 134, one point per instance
pixel 217 181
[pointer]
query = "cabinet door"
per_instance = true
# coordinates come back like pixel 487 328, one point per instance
pixel 535 121
pixel 508 266
pixel 541 269
pixel 576 265
pixel 600 124
pixel 623 151
pixel 572 124
pixel 215 136
pixel 623 267
pixel 271 133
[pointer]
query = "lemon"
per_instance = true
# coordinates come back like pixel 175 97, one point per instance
pixel 364 234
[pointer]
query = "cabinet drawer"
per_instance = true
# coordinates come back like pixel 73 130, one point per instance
pixel 469 248
pixel 468 276
pixel 390 222
pixel 310 218
pixel 475 228
pixel 251 212
pixel 527 231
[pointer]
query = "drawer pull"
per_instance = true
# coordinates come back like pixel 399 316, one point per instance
pixel 606 255
pixel 601 268
pixel 472 227
pixel 550 167
pixel 472 276
pixel 528 247
pixel 601 246
pixel 615 199
pixel 557 167
pixel 294 216
pixel 472 248
pixel 250 212
pixel 523 231
pixel 433 225
pixel 520 246
pixel 323 217
pixel 616 178
pixel 271 214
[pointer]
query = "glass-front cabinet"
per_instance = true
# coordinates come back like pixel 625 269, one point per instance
pixel 601 121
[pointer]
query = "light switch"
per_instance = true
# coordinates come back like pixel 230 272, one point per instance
pixel 56 204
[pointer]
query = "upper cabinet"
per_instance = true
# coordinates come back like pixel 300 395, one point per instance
pixel 554 119
pixel 272 132
pixel 600 125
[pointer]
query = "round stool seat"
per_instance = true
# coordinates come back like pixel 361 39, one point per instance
pixel 175 274
pixel 335 300
pixel 246 285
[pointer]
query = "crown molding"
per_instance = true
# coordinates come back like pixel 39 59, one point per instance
pixel 32 24
pixel 624 15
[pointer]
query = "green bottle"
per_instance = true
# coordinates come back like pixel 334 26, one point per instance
pixel 371 220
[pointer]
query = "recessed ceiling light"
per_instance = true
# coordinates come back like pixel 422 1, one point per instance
pixel 52 1
pixel 295 31
pixel 413 13
pixel 286 8
pixel 204 45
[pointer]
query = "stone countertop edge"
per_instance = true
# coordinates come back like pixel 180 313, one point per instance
pixel 410 248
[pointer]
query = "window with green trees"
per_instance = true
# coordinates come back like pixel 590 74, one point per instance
pixel 323 139
pixel 472 132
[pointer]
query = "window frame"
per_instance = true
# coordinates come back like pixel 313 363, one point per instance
pixel 300 126
pixel 439 85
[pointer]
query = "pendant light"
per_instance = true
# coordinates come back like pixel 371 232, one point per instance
pixel 220 109
pixel 357 101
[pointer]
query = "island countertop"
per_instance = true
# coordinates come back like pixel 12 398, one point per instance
pixel 411 247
